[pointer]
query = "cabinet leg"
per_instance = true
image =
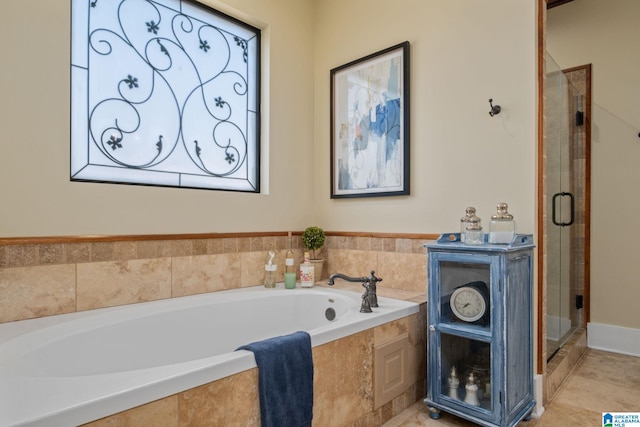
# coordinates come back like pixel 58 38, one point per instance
pixel 434 413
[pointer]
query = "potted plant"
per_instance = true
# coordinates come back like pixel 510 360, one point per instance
pixel 313 238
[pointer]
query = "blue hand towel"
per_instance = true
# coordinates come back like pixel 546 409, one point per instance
pixel 285 379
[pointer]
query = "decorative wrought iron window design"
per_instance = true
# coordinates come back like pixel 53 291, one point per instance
pixel 164 93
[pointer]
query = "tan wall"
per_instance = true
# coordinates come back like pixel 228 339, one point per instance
pixel 36 196
pixel 459 155
pixel 463 52
pixel 606 34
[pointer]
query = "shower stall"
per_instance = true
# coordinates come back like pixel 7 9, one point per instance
pixel 565 212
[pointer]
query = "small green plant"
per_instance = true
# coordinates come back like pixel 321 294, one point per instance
pixel 313 239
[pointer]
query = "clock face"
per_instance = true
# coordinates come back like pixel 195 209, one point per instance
pixel 468 304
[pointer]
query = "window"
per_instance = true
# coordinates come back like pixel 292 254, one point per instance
pixel 164 93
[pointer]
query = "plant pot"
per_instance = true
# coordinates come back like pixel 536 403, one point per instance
pixel 317 269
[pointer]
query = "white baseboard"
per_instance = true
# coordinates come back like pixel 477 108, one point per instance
pixel 616 339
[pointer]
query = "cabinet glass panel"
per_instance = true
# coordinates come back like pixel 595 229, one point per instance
pixel 470 384
pixel 464 293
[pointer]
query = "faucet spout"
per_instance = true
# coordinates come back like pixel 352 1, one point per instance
pixel 335 276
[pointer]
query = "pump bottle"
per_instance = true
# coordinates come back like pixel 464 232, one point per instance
pixel 270 268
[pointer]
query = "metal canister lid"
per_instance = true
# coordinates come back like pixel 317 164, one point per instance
pixel 470 213
pixel 502 214
pixel 473 224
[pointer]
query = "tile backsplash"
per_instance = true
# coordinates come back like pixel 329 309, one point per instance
pixel 42 279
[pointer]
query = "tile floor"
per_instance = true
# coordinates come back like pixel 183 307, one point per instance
pixel 600 382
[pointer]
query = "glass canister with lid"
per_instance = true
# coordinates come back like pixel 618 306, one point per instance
pixel 464 221
pixel 473 232
pixel 502 227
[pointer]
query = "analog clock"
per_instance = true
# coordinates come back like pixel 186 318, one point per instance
pixel 470 302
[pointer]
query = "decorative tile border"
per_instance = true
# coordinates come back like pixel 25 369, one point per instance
pixel 48 251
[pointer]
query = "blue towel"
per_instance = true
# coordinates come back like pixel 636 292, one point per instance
pixel 285 380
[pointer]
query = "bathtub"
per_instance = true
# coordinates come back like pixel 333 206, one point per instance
pixel 74 368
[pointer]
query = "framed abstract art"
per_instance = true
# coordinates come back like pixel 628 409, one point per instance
pixel 370 125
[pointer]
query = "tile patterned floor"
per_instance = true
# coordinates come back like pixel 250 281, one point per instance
pixel 601 382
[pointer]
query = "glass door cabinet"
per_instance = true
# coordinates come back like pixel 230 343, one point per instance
pixel 479 358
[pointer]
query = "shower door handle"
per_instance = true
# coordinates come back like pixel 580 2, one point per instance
pixel 553 209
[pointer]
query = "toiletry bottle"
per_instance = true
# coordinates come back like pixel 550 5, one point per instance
pixel 289 268
pixel 306 272
pixel 270 268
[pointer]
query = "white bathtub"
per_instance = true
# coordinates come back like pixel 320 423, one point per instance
pixel 74 368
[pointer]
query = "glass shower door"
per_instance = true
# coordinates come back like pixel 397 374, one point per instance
pixel 559 206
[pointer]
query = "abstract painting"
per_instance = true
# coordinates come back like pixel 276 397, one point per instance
pixel 370 125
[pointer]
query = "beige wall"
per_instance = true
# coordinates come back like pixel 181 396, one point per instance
pixel 459 155
pixel 36 196
pixel 606 35
pixel 463 52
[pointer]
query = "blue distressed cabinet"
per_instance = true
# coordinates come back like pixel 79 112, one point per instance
pixel 479 358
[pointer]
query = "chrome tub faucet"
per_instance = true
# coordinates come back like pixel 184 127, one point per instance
pixel 369 297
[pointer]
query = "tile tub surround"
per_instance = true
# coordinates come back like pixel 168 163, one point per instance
pixel 49 276
pixel 86 354
pixel 42 277
pixel 343 387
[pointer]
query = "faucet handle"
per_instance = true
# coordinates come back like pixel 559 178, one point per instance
pixel 373 279
pixel 371 289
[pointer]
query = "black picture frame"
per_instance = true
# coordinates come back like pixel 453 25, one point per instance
pixel 370 125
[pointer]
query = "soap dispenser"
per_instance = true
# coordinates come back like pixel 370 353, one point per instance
pixel 270 268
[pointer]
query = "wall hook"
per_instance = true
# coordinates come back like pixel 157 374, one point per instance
pixel 495 109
